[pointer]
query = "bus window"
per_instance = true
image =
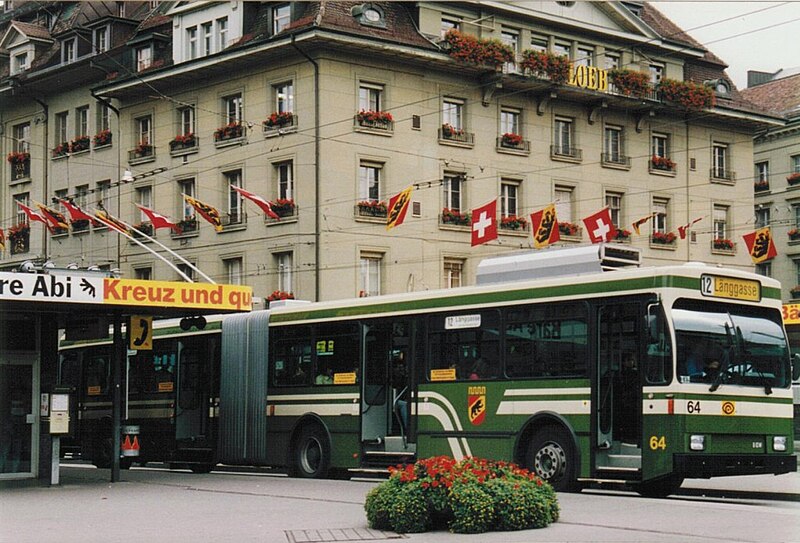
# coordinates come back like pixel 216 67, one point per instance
pixel 164 366
pixel 192 381
pixel 291 356
pixel 658 364
pixel 467 345
pixel 97 369
pixel 70 370
pixel 336 346
pixel 546 340
pixel 153 372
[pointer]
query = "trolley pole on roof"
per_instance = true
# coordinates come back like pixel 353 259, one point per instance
pixel 116 398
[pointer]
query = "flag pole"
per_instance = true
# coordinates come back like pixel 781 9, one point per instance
pixel 145 247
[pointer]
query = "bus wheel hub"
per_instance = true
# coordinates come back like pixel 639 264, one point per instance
pixel 550 461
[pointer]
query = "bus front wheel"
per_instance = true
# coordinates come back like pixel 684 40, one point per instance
pixel 551 456
pixel 312 454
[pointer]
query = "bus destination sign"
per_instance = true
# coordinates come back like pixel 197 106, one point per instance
pixel 716 286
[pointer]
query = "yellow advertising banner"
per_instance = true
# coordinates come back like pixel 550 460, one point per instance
pixel 791 313
pixel 175 294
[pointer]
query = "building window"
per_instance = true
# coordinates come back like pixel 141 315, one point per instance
pixel 585 57
pixel 370 274
pixel 144 197
pixel 187 187
pixel 284 171
pixel 762 172
pixel 234 179
pixel 764 269
pixel 509 197
pixel 562 49
pixel 101 39
pixel 222 33
pixel 144 127
pixel 121 9
pixel 82 121
pixel 143 274
pixel 281 16
pixel 451 191
pixel 284 97
pixel 186 270
pixel 613 144
pixel 23 198
pixel 720 216
pixel 539 43
pixel 511 38
pixel 656 73
pixel 191 42
pixel 207 32
pixel 447 25
pixel 284 262
pixel 234 108
pixel 101 190
pixel 660 215
pixel 562 137
pixel 186 118
pixel 564 204
pixel 510 121
pixel 20 63
pixel 233 270
pixel 719 161
pixel 453 272
pixel 21 134
pixel 103 118
pixel 369 181
pixel 795 163
pixel 762 215
pixel 611 60
pixel 614 204
pixel 660 145
pixel 69 50
pixel 453 113
pixel 61 127
pixel 82 196
pixel 144 58
pixel 370 97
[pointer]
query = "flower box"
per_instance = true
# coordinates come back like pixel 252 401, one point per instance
pixel 512 222
pixel 663 238
pixel 80 225
pixel 687 94
pixel 183 141
pixel 723 244
pixel 622 235
pixel 795 291
pixel 569 229
pixel 455 217
pixel 280 295
pixel 145 228
pixel 662 163
pixel 20 165
pixel 229 132
pixel 188 225
pixel 104 137
pixel 794 234
pixel 793 178
pixel 760 186
pixel 18 158
pixel 449 132
pixel 382 120
pixel 60 150
pixel 279 120
pixel 630 82
pixel 545 65
pixel 19 237
pixel 477 51
pixel 79 144
pixel 509 139
pixel 371 208
pixel 284 207
pixel 142 150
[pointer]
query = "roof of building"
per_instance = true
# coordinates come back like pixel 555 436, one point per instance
pixel 779 96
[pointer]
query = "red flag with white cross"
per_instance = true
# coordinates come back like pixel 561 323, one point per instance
pixel 600 227
pixel 484 223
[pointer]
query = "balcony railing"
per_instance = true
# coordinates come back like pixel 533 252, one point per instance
pixel 523 146
pixel 561 151
pixel 380 125
pixel 142 153
pixel 234 219
pixel 20 169
pixel 280 125
pixel 456 136
pixel 615 159
pixel 721 174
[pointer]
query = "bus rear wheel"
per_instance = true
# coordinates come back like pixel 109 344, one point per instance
pixel 551 456
pixel 312 454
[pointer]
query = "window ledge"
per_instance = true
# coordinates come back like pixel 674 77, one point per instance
pixel 19 181
pixel 566 158
pixel 512 151
pixel 274 132
pixel 520 233
pixel 615 165
pixel 373 220
pixel 454 143
pixel 104 146
pixel 721 181
pixel 664 246
pixel 184 151
pixel 219 144
pixel 570 239
pixel 289 219
pixel 726 252
pixel 142 160
pixel 664 173
pixel 387 132
pixel 455 227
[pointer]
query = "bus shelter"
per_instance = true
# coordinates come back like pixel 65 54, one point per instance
pixel 36 308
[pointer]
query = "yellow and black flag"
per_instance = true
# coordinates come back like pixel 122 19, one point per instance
pixel 641 221
pixel 55 219
pixel 760 245
pixel 398 207
pixel 544 226
pixel 209 213
pixel 112 222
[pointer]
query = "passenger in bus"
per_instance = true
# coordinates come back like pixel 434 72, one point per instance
pixel 325 378
pixel 400 386
pixel 479 370
pixel 704 360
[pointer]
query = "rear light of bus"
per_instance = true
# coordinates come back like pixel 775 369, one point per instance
pixel 697 443
pixel 779 443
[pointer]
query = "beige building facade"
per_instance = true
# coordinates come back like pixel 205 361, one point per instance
pixel 220 71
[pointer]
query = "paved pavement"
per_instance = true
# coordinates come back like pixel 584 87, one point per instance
pixel 151 505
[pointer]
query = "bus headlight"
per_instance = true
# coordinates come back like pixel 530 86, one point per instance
pixel 779 443
pixel 697 443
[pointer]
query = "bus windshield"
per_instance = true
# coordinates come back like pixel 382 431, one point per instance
pixel 722 344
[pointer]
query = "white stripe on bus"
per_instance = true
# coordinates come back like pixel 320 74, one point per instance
pixel 447 418
pixel 326 409
pixel 292 397
pixel 546 391
pixel 563 407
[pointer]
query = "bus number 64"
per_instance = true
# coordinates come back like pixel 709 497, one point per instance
pixel 658 442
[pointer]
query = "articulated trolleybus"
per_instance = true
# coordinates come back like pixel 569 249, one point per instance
pixel 642 376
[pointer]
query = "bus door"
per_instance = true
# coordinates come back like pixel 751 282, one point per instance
pixel 386 386
pixel 191 409
pixel 618 389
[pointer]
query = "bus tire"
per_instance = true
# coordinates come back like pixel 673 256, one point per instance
pixel 201 468
pixel 551 456
pixel 311 454
pixel 103 453
pixel 660 488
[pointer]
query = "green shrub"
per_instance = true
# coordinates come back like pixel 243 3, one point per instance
pixel 470 496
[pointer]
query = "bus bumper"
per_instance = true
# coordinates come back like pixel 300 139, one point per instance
pixel 704 466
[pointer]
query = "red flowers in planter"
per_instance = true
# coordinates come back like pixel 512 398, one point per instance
pixel 509 138
pixel 454 216
pixel 102 138
pixel 687 94
pixel 18 158
pixel 369 116
pixel 544 64
pixel 280 295
pixel 793 178
pixel 664 238
pixel 279 119
pixel 229 131
pixel 477 50
pixel 568 228
pixel 450 131
pixel 182 141
pixel 630 82
pixel 512 222
pixel 721 243
pixel 662 163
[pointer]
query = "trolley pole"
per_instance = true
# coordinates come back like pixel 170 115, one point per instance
pixel 116 400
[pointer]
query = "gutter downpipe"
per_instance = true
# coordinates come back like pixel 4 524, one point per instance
pixel 317 251
pixel 109 105
pixel 46 165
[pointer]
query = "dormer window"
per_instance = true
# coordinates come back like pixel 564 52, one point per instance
pixel 281 17
pixel 69 50
pixel 19 63
pixel 369 15
pixel 101 39
pixel 144 58
pixel 120 9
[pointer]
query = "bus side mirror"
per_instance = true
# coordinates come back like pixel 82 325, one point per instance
pixel 796 367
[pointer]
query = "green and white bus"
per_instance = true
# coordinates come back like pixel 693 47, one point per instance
pixel 643 376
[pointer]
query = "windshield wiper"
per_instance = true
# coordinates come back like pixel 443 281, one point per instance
pixel 725 362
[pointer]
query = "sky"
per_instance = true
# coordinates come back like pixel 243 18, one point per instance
pixel 761 36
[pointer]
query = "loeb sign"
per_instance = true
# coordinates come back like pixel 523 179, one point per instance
pixel 588 77
pixel 132 292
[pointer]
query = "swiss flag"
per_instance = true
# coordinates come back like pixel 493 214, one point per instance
pixel 600 227
pixel 484 223
pixel 158 220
